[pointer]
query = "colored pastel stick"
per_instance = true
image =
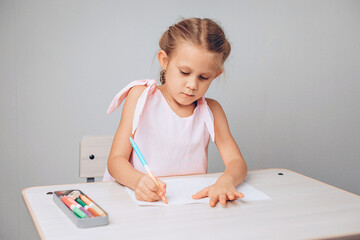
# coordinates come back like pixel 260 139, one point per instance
pixel 92 211
pixel 76 210
pixel 144 163
pixel 80 207
pixel 92 205
pixel 74 194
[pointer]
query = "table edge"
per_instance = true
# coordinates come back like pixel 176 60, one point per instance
pixel 32 215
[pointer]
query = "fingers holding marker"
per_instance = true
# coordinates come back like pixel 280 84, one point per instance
pixel 143 193
pixel 146 196
pixel 152 196
pixel 162 186
pixel 148 190
pixel 151 185
pixel 160 189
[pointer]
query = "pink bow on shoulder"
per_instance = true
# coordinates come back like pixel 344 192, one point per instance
pixel 119 98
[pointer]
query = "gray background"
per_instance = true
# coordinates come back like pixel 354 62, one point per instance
pixel 291 91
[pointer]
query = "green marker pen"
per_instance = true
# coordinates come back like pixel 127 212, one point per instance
pixel 92 211
pixel 76 210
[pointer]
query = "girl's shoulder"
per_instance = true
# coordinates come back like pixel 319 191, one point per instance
pixel 135 92
pixel 132 97
pixel 213 104
pixel 216 109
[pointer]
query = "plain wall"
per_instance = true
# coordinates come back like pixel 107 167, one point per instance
pixel 291 91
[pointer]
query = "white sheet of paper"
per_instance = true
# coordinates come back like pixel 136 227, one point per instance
pixel 180 191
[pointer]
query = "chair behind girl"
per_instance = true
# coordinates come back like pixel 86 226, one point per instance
pixel 94 153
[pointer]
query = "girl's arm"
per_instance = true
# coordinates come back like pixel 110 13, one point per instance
pixel 235 166
pixel 118 164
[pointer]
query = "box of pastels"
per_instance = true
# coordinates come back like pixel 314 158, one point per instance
pixel 79 207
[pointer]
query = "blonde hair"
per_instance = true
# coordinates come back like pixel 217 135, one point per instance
pixel 201 32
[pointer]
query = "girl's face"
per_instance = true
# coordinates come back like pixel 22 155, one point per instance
pixel 190 69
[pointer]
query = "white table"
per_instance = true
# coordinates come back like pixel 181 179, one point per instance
pixel 301 208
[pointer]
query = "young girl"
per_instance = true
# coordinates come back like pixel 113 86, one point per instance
pixel 172 123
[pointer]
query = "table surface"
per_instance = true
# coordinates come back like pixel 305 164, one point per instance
pixel 301 208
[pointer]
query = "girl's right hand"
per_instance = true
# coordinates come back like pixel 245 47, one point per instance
pixel 147 190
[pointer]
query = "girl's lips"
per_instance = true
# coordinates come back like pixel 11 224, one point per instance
pixel 188 95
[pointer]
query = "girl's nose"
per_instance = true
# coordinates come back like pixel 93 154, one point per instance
pixel 191 83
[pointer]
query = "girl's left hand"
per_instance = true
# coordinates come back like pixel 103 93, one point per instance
pixel 221 191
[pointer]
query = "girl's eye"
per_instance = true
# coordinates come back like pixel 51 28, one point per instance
pixel 185 73
pixel 204 78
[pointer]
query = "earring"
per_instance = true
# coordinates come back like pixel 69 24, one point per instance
pixel 162 76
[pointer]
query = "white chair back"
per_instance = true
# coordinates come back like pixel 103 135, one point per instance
pixel 94 152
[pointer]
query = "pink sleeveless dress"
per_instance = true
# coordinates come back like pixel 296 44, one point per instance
pixel 170 144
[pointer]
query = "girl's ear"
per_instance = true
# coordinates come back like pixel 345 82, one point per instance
pixel 221 70
pixel 163 59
